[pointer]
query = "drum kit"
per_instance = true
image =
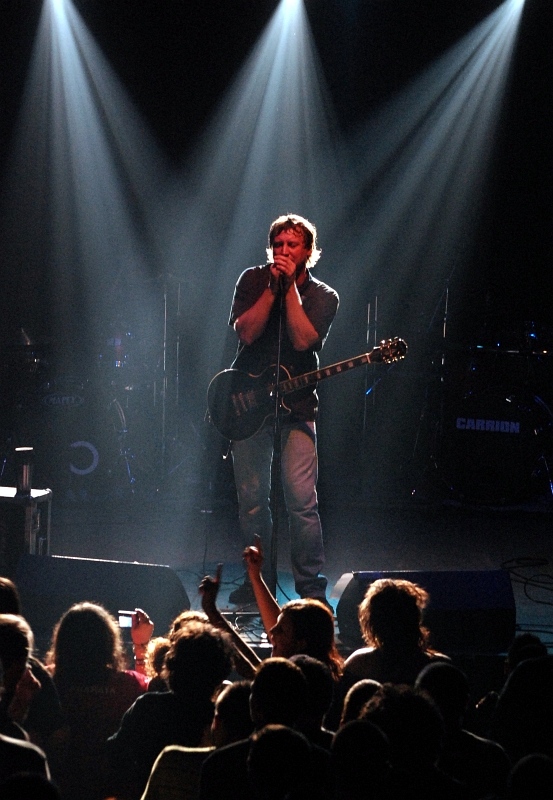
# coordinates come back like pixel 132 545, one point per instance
pixel 96 429
pixel 496 422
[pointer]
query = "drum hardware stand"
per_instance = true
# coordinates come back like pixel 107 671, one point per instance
pixel 125 452
pixel 545 463
pixel 371 382
pixel 438 424
pixel 370 385
pixel 164 381
pixel 168 469
pixel 3 463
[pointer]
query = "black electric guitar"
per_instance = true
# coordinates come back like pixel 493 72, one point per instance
pixel 239 403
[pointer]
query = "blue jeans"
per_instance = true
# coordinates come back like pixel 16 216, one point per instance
pixel 252 472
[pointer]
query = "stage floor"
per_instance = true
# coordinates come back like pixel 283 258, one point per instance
pixel 406 536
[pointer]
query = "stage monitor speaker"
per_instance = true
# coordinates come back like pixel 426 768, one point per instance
pixel 470 611
pixel 49 585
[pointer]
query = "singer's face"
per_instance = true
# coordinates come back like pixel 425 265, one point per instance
pixel 290 244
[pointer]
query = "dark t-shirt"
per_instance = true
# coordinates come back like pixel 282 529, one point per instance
pixel 225 774
pixel 320 304
pixel 45 714
pixel 17 756
pixel 92 713
pixel 154 721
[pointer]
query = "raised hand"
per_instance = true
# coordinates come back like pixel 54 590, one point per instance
pixel 142 627
pixel 253 557
pixel 209 589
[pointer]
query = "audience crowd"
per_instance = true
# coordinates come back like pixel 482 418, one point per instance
pixel 199 715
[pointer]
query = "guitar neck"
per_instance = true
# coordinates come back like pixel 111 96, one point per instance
pixel 309 378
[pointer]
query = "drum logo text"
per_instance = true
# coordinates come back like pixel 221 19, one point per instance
pixel 489 425
pixel 62 400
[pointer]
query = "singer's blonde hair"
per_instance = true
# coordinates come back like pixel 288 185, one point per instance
pixel 293 222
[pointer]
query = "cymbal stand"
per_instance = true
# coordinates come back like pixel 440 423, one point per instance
pixel 163 432
pixel 125 452
pixel 370 385
pixel 171 418
pixel 177 354
pixel 437 419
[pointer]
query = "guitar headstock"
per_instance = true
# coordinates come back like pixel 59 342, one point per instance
pixel 390 350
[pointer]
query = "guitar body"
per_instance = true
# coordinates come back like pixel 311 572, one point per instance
pixel 239 403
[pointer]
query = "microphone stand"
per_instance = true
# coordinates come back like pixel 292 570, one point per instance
pixel 277 453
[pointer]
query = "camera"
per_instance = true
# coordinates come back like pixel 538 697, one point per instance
pixel 125 618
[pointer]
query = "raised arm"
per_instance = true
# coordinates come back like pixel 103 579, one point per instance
pixel 248 660
pixel 267 604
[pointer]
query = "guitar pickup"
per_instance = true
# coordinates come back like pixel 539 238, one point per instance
pixel 243 401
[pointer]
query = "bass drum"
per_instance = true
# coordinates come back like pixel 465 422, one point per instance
pixel 78 440
pixel 497 446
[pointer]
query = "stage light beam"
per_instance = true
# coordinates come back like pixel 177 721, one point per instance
pixel 271 148
pixel 77 205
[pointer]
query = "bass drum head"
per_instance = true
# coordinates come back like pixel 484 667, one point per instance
pixel 496 446
pixel 76 439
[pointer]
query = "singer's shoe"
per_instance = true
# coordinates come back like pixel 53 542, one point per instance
pixel 242 595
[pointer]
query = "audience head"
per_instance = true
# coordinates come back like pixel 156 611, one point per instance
pixel 10 602
pixel 522 718
pixel 278 693
pixel 448 687
pixel 86 646
pixel 411 722
pixel 359 694
pixel 155 656
pixel 184 618
pixel 16 645
pixel 320 686
pixel 28 786
pixel 277 762
pixel 198 661
pixel 523 647
pixel 531 777
pixel 232 720
pixel 306 626
pixel 390 615
pixel 360 755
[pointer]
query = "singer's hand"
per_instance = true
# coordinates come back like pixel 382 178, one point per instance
pixel 283 273
pixel 274 282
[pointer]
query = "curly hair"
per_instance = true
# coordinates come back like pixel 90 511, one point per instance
pixel 313 623
pixel 156 650
pixel 189 615
pixel 198 660
pixel 390 614
pixel 86 646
